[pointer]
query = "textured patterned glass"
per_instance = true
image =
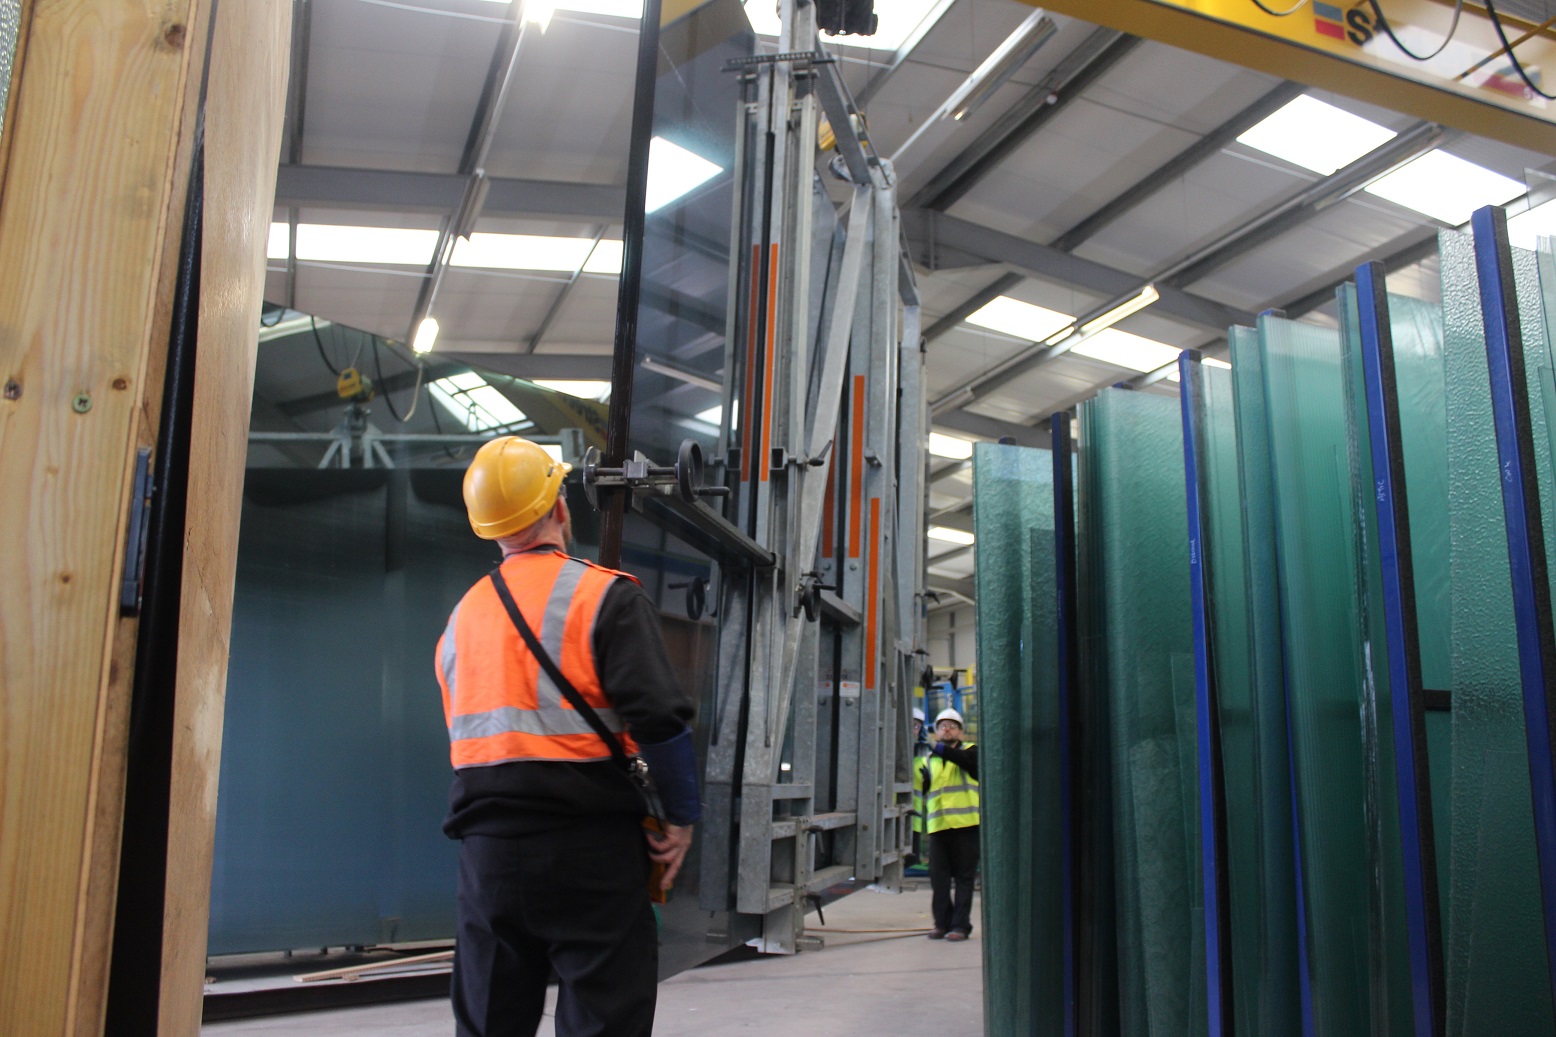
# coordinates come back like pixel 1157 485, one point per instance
pixel 1139 530
pixel 1318 556
pixel 1495 946
pixel 1245 644
pixel 1019 744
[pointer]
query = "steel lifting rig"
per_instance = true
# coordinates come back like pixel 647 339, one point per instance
pixel 808 770
pixel 817 509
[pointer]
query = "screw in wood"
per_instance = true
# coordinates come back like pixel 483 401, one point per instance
pixel 82 403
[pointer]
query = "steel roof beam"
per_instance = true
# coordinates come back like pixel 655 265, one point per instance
pixel 992 428
pixel 1202 149
pixel 387 190
pixel 939 239
pixel 1089 62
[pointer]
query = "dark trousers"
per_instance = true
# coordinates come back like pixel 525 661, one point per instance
pixel 953 860
pixel 575 900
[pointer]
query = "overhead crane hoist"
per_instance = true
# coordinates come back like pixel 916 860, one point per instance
pixel 812 507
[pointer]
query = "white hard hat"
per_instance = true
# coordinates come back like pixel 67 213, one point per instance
pixel 948 714
pixel 918 714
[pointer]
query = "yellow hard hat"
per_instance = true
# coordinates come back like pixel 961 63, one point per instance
pixel 511 484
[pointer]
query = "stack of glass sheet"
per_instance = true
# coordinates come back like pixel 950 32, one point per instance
pixel 1022 812
pixel 1333 922
pixel 1137 529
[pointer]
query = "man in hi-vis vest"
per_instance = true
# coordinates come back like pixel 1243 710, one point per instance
pixel 949 778
pixel 554 860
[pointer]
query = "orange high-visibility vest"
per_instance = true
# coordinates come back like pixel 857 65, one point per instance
pixel 499 704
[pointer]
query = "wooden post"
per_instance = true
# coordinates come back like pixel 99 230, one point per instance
pixel 94 165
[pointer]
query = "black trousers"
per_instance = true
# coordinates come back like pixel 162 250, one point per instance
pixel 574 900
pixel 953 861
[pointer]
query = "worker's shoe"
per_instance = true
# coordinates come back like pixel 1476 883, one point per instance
pixel 956 937
pixel 937 934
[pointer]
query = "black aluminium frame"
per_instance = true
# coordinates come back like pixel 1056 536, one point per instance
pixel 1069 713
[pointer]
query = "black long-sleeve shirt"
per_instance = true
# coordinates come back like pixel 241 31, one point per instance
pixel 964 756
pixel 509 799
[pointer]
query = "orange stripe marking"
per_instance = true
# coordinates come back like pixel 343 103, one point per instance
pixel 872 602
pixel 772 343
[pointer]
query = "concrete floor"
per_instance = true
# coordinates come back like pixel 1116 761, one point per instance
pixel 858 983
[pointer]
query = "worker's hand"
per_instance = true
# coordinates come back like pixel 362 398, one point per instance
pixel 669 849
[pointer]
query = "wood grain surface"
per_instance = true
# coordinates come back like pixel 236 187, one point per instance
pixel 244 108
pixel 96 128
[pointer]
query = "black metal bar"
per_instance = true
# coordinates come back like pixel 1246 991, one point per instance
pixel 630 286
pixel 135 965
pixel 1073 880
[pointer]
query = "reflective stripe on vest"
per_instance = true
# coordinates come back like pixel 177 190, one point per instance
pixel 500 705
pixel 952 800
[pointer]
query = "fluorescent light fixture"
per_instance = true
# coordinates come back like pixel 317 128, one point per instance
pixel 605 259
pixel 999 66
pixel 673 171
pixel 426 336
pixel 1121 349
pixel 951 536
pixel 1211 361
pixel 1314 135
pixel 520 252
pixel 1445 187
pixel 1019 319
pixel 384 246
pixel 896 20
pixel 475 402
pixel 583 388
pixel 1147 296
pixel 1527 228
pixel 942 445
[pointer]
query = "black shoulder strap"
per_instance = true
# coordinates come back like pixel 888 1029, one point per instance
pixel 549 665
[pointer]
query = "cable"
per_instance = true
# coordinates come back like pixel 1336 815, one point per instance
pixel 1388 30
pixel 378 369
pixel 1496 22
pixel 1280 14
pixel 317 341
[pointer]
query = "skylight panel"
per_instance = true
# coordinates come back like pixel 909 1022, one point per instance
pixel 1121 349
pixel 475 402
pixel 1019 319
pixel 606 258
pixel 895 22
pixel 521 252
pixel 583 388
pixel 1527 228
pixel 954 447
pixel 1309 133
pixel 1445 187
pixel 673 171
pixel 613 8
pixel 951 536
pixel 384 246
pixel 1211 361
pixel 278 245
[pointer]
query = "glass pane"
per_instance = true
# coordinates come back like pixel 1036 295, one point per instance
pixel 1317 552
pixel 1139 524
pixel 1496 964
pixel 1239 537
pixel 1019 766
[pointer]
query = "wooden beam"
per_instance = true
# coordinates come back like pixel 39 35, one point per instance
pixel 98 141
pixel 244 111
